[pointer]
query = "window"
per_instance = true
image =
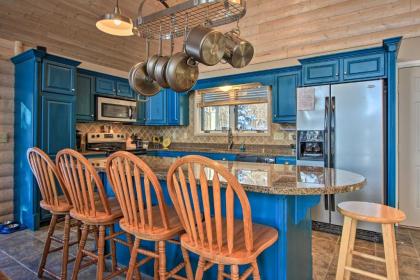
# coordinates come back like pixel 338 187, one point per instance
pixel 244 109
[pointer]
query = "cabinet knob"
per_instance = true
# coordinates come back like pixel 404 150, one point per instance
pixel 92 115
pixel 336 74
pixel 345 73
pixel 73 89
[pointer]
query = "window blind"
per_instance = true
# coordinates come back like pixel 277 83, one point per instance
pixel 234 95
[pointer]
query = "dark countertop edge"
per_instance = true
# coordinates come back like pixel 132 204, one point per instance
pixel 236 152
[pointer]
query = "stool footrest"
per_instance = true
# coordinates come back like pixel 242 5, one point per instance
pixel 367 256
pixel 365 273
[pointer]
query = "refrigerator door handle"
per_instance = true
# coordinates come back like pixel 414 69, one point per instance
pixel 326 132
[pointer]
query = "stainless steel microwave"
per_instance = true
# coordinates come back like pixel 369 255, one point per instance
pixel 115 110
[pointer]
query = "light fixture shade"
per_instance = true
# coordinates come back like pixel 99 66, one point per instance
pixel 115 23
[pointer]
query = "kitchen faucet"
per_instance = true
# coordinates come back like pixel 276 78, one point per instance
pixel 230 139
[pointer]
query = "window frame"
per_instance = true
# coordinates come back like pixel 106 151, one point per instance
pixel 232 121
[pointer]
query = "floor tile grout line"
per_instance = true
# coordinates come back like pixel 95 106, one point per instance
pixel 19 262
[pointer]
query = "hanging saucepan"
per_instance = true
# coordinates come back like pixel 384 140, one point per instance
pixel 238 52
pixel 160 69
pixel 139 81
pixel 205 45
pixel 151 62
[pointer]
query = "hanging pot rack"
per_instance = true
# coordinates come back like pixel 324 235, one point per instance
pixel 171 22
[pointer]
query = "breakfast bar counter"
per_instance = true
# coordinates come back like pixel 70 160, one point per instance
pixel 280 196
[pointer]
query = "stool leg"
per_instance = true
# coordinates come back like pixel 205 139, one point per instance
pixel 256 272
pixel 79 256
pixel 352 239
pixel 156 262
pixel 101 249
pixel 187 262
pixel 133 259
pixel 220 270
pixel 162 260
pixel 66 240
pixel 200 269
pixel 234 272
pixel 113 249
pixel 130 243
pixel 47 245
pixel 390 251
pixel 344 248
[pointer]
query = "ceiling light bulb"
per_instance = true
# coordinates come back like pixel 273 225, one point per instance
pixel 117 22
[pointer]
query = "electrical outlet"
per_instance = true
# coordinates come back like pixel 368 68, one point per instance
pixel 278 136
pixel 3 137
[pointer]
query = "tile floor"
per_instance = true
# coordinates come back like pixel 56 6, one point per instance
pixel 20 254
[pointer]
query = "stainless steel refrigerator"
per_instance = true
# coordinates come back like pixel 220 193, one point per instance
pixel 342 126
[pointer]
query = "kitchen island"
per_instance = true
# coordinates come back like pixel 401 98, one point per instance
pixel 280 196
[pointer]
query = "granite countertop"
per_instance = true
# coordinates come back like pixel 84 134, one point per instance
pixel 273 179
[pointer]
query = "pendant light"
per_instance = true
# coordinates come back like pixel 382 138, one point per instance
pixel 115 23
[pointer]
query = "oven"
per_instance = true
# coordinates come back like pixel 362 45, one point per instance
pixel 115 110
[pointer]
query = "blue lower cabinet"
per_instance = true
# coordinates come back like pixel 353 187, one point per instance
pixel 286 160
pixel 58 124
pixel 364 66
pixel 105 86
pixel 156 109
pixel 58 77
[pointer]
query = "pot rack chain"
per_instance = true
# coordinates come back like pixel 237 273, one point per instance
pixel 171 22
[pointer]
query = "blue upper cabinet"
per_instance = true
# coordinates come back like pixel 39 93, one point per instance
pixel 178 108
pixel 141 110
pixel 58 122
pixel 58 77
pixel 85 98
pixel 365 66
pixel 342 67
pixel 284 97
pixel 124 90
pixel 105 86
pixel 156 109
pixel 321 72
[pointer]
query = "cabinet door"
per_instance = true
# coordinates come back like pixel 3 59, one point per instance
pixel 58 77
pixel 84 98
pixel 178 108
pixel 105 86
pixel 284 97
pixel 141 111
pixel 321 72
pixel 124 90
pixel 366 66
pixel 58 122
pixel 156 109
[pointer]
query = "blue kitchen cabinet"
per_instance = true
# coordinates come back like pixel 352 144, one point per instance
pixel 124 90
pixel 156 109
pixel 85 98
pixel 285 160
pixel 321 72
pixel 364 66
pixel 58 124
pixel 141 110
pixel 44 117
pixel 178 108
pixel 284 97
pixel 58 77
pixel 105 86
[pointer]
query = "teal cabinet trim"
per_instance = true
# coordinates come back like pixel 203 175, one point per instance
pixel 58 77
pixel 321 72
pixel 105 86
pixel 362 67
pixel 124 90
pixel 284 97
pixel 85 98
pixel 156 109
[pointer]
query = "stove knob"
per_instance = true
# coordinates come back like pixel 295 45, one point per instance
pixel 92 136
pixel 97 135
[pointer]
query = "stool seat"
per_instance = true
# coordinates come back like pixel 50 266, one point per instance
pixel 371 212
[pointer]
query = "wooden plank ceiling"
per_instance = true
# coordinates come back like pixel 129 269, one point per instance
pixel 279 29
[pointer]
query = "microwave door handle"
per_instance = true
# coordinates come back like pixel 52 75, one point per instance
pixel 130 112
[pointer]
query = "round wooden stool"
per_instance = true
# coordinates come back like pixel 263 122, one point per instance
pixel 354 211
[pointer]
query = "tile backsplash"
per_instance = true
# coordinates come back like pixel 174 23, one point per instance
pixel 280 134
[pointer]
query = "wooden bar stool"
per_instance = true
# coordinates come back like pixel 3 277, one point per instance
pixel 94 209
pixel 217 240
pixel 55 200
pixel 157 223
pixel 354 211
